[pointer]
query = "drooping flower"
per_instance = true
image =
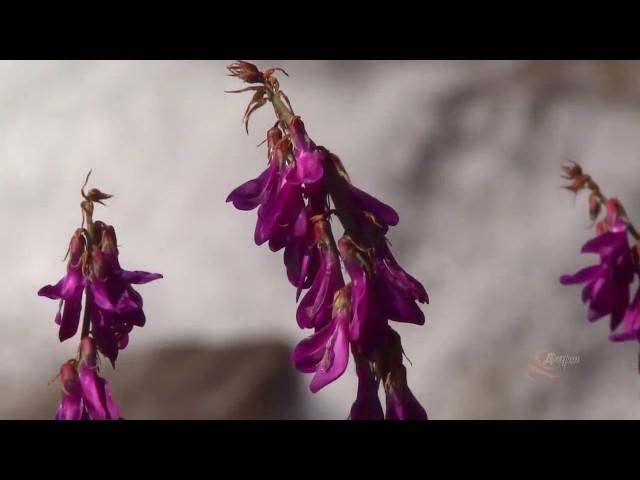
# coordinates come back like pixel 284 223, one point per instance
pixel 314 310
pixel 607 283
pixel 69 290
pixel 114 306
pixel 630 322
pixel 401 403
pixel 72 403
pixel 85 395
pixel 397 291
pixel 96 391
pixel 326 352
pixel 257 191
pixel 309 158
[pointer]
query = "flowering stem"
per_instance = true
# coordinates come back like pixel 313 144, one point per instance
pixel 603 199
pixel 284 113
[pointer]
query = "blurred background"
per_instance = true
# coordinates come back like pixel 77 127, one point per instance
pixel 469 154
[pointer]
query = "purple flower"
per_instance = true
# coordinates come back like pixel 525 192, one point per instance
pixel 282 217
pixel 401 403
pixel 366 210
pixel 630 322
pixel 301 261
pixel 69 290
pixel 114 306
pixel 368 323
pixel 608 283
pixel 326 353
pixel 396 290
pixel 314 310
pixel 85 396
pixel 256 192
pixel 302 189
pixel 367 404
pixel 309 158
pixel 72 404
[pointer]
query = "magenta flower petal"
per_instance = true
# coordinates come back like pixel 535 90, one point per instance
pixel 607 284
pixel 309 352
pixel 630 322
pixel 314 310
pixel 326 352
pixel 359 201
pixel 301 261
pixel 95 390
pixel 587 274
pixel 403 405
pixel 309 158
pixel 71 405
pixel 138 277
pixel 70 319
pixel 69 291
pixel 309 169
pixel 253 193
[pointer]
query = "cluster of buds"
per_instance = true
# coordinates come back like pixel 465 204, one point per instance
pixel 112 307
pixel 303 187
pixel 607 290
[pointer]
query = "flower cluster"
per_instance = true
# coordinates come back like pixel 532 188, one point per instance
pixel 607 290
pixel 85 395
pixel 302 188
pixel 112 307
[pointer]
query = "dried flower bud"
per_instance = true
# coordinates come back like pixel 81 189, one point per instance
pixel 97 196
pixel 246 72
pixel 572 171
pixel 578 183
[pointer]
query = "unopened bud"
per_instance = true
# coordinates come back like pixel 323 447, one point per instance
pixel 109 242
pixel 76 247
pixel 613 208
pixel 96 195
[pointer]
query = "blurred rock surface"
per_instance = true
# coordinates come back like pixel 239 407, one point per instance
pixel 193 382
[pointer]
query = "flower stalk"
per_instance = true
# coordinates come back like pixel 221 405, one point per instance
pixel 607 290
pixel 112 308
pixel 294 197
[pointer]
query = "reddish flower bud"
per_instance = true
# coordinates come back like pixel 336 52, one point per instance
pixel 613 208
pixel 109 242
pixel 76 248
